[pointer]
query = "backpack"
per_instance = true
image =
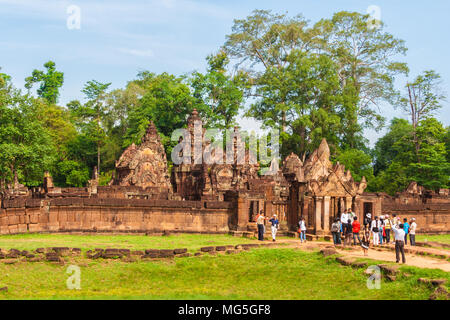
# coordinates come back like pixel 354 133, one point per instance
pixel 375 229
pixel 335 227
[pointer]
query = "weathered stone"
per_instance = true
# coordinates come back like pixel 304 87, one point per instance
pixel 221 248
pixel 137 253
pixel 433 282
pixel 440 293
pixel 180 251
pixel 4 289
pixel 207 249
pixel 344 261
pixel 391 277
pixel 328 252
pixel 9 261
pixel 389 270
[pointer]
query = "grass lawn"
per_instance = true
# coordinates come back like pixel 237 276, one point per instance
pixel 264 273
pixel 85 242
pixel 444 238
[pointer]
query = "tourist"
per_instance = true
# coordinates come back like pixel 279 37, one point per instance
pixel 365 244
pixel 367 220
pixel 406 228
pixel 260 223
pixel 274 227
pixel 356 226
pixel 344 219
pixel 399 236
pixel 380 230
pixel 412 232
pixel 395 220
pixel 348 232
pixel 375 228
pixel 302 230
pixel 350 214
pixel 336 231
pixel 387 228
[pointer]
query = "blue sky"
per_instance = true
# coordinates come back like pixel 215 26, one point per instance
pixel 117 39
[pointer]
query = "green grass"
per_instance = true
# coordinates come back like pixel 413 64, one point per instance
pixel 443 238
pixel 257 274
pixel 190 241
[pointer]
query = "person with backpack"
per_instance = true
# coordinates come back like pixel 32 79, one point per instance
pixel 302 229
pixel 336 231
pixel 367 220
pixel 348 232
pixel 375 228
pixel 356 226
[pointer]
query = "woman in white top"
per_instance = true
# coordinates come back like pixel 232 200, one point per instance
pixel 375 228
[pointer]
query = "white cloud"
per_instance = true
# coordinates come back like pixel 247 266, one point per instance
pixel 139 53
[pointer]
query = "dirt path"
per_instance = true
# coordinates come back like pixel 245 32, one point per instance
pixel 411 259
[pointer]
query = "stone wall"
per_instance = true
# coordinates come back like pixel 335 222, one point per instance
pixel 115 215
pixel 430 218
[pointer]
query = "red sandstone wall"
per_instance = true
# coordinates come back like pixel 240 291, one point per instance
pixel 430 218
pixel 114 215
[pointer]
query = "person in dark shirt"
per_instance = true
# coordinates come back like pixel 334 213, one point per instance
pixel 348 233
pixel 275 224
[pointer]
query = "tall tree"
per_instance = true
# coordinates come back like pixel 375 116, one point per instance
pixel 366 57
pixel 422 98
pixel 50 82
pixel 218 93
pixel 91 116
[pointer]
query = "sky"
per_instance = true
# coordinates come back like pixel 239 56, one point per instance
pixel 117 39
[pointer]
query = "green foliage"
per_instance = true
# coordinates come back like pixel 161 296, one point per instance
pixel 217 94
pixel 50 82
pixel 71 174
pixel 26 149
pixel 358 162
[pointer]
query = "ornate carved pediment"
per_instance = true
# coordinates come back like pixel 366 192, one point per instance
pixel 144 165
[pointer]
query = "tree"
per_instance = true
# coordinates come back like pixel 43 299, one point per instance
pixel 365 57
pixel 386 149
pixel 50 82
pixel 91 116
pixel 166 100
pixel 217 93
pixel 422 99
pixel 263 41
pixel 26 148
pixel 358 162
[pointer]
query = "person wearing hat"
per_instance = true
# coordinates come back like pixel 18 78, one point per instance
pixel 412 232
pixel 275 225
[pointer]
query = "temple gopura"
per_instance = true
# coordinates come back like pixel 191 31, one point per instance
pixel 198 197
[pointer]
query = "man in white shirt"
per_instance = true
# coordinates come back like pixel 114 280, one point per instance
pixel 412 232
pixel 375 228
pixel 344 219
pixel 399 235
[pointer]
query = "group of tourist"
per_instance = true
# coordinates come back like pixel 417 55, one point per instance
pixel 378 229
pixel 275 224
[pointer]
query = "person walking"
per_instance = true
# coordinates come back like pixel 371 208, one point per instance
pixel 260 223
pixel 412 232
pixel 348 232
pixel 387 228
pixel 302 229
pixel 356 226
pixel 399 236
pixel 375 228
pixel 274 228
pixel 336 231
pixel 406 228
pixel 365 244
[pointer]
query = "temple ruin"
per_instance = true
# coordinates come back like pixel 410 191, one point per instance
pixel 197 197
